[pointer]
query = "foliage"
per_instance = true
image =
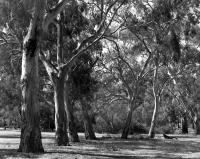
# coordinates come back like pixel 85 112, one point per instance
pixel 117 67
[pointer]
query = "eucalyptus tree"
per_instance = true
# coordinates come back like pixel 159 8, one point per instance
pixel 124 67
pixel 34 29
pixel 184 87
pixel 185 72
pixel 75 35
pixel 83 87
pixel 156 26
pixel 15 27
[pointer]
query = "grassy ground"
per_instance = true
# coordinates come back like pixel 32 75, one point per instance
pixel 186 146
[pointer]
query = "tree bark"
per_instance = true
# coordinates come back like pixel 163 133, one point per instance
pixel 156 103
pixel 61 135
pixel 73 135
pixel 89 132
pixel 30 129
pixel 184 123
pixel 30 140
pixel 128 123
pixel 197 125
pixel 153 120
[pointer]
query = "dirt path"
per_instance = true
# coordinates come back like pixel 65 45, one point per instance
pixel 187 146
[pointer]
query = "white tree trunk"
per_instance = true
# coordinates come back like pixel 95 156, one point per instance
pixel 156 104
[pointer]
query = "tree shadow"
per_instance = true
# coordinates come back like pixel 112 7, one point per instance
pixel 163 145
pixel 99 155
pixel 12 153
pixel 110 148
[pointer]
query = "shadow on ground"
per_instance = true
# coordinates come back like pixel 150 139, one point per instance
pixel 12 153
pixel 184 147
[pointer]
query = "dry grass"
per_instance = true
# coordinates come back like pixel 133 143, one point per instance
pixel 187 146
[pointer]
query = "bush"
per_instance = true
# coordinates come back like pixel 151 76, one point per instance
pixel 138 128
pixel 47 118
pixel 167 129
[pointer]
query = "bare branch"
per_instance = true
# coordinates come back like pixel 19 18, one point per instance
pixel 87 43
pixel 124 81
pixel 78 52
pixel 101 25
pixel 141 75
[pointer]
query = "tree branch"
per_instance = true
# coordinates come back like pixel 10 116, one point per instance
pixel 124 81
pixel 52 14
pixel 50 68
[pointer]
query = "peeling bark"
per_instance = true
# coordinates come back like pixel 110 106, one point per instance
pixel 30 132
pixel 30 140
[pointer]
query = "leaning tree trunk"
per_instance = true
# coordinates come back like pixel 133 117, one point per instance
pixel 153 120
pixel 128 122
pixel 89 132
pixel 30 140
pixel 61 135
pixel 73 135
pixel 156 104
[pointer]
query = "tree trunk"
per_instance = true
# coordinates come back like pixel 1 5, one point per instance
pixel 153 120
pixel 61 135
pixel 30 140
pixel 197 126
pixel 30 130
pixel 184 123
pixel 128 123
pixel 196 122
pixel 89 132
pixel 156 103
pixel 73 135
pixel 193 124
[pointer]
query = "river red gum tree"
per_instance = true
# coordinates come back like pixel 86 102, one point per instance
pixel 30 130
pixel 61 69
pixel 40 20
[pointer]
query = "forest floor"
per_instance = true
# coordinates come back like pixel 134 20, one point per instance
pixel 107 147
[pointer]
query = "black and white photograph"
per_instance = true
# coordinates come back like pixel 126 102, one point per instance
pixel 100 79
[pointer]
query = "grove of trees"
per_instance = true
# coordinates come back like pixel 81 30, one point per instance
pixel 115 66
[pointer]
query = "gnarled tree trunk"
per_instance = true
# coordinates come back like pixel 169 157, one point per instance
pixel 30 128
pixel 89 132
pixel 73 135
